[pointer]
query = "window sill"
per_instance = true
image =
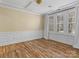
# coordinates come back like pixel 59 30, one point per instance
pixel 62 33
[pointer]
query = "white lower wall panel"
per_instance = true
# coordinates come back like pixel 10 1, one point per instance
pixel 76 46
pixel 16 37
pixel 67 39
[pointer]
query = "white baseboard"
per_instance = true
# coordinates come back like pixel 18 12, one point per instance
pixel 7 38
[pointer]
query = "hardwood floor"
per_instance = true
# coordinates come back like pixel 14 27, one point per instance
pixel 39 48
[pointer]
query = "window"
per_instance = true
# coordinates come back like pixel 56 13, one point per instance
pixel 60 25
pixel 71 21
pixel 51 23
pixel 63 22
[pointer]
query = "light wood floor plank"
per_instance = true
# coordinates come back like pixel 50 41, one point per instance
pixel 39 48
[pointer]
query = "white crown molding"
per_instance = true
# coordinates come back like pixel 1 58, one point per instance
pixel 69 5
pixel 18 9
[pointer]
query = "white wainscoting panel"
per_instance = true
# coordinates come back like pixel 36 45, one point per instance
pixel 7 38
pixel 64 38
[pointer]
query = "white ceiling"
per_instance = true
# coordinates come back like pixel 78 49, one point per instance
pixel 44 7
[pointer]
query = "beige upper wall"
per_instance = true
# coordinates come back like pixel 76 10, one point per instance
pixel 12 20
